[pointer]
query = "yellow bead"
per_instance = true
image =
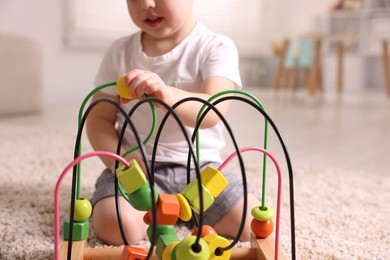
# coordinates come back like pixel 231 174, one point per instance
pixel 167 254
pixel 185 213
pixel 216 242
pixel 263 215
pixel 214 180
pixel 191 193
pixel 132 178
pixel 82 209
pixel 123 89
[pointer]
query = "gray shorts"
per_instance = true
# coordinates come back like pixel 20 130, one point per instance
pixel 171 178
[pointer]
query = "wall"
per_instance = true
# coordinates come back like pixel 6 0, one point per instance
pixel 69 72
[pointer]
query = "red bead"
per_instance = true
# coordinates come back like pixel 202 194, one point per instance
pixel 206 230
pixel 262 229
pixel 147 218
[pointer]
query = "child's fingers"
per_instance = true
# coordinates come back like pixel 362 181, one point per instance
pixel 124 100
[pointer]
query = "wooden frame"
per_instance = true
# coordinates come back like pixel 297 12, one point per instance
pixel 261 249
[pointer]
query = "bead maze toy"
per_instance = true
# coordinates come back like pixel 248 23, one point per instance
pixel 162 211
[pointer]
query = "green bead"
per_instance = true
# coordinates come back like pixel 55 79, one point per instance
pixel 187 249
pixel 163 241
pixel 263 215
pixel 80 230
pixel 161 230
pixel 141 199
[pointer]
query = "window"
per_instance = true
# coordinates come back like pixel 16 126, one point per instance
pixel 96 23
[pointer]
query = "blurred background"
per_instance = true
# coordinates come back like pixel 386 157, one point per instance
pixel 65 41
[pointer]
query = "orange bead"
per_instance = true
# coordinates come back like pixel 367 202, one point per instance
pixel 167 210
pixel 206 230
pixel 262 229
pixel 133 253
pixel 147 218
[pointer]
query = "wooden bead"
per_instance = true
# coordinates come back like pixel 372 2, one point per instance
pixel 167 210
pixel 168 251
pixel 191 193
pixel 161 230
pixel 123 89
pixel 206 230
pixel 82 209
pixel 80 230
pixel 132 178
pixel 141 199
pixel 187 249
pixel 216 242
pixel 185 212
pixel 147 218
pixel 213 180
pixel 133 253
pixel 262 229
pixel 263 215
pixel 163 241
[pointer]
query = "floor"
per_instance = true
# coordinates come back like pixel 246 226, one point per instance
pixel 350 132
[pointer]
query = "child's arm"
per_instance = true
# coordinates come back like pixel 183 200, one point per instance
pixel 101 130
pixel 146 82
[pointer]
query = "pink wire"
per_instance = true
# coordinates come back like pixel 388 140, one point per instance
pixel 57 192
pixel 245 149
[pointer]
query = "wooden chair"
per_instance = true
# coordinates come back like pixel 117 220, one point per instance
pixel 290 64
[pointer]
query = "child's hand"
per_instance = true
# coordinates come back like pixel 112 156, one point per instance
pixel 143 82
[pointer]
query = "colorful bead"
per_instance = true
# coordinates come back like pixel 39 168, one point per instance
pixel 185 212
pixel 206 230
pixel 187 249
pixel 123 89
pixel 133 253
pixel 213 180
pixel 168 251
pixel 216 242
pixel 141 199
pixel 163 241
pixel 80 230
pixel 167 210
pixel 262 229
pixel 191 193
pixel 82 209
pixel 161 230
pixel 263 215
pixel 132 178
pixel 147 218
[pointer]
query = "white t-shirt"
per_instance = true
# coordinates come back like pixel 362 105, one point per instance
pixel 200 55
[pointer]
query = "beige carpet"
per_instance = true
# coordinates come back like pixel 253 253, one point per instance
pixel 339 215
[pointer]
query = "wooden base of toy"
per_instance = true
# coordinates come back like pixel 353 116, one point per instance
pixel 261 249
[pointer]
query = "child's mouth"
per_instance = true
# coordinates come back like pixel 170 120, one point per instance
pixel 152 22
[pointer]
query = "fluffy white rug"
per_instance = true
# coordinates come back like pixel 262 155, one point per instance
pixel 339 215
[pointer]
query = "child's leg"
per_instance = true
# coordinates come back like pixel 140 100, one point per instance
pixel 106 226
pixel 230 223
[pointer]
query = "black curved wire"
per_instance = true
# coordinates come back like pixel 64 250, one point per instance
pixel 215 110
pixel 288 161
pixel 77 146
pixel 159 130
